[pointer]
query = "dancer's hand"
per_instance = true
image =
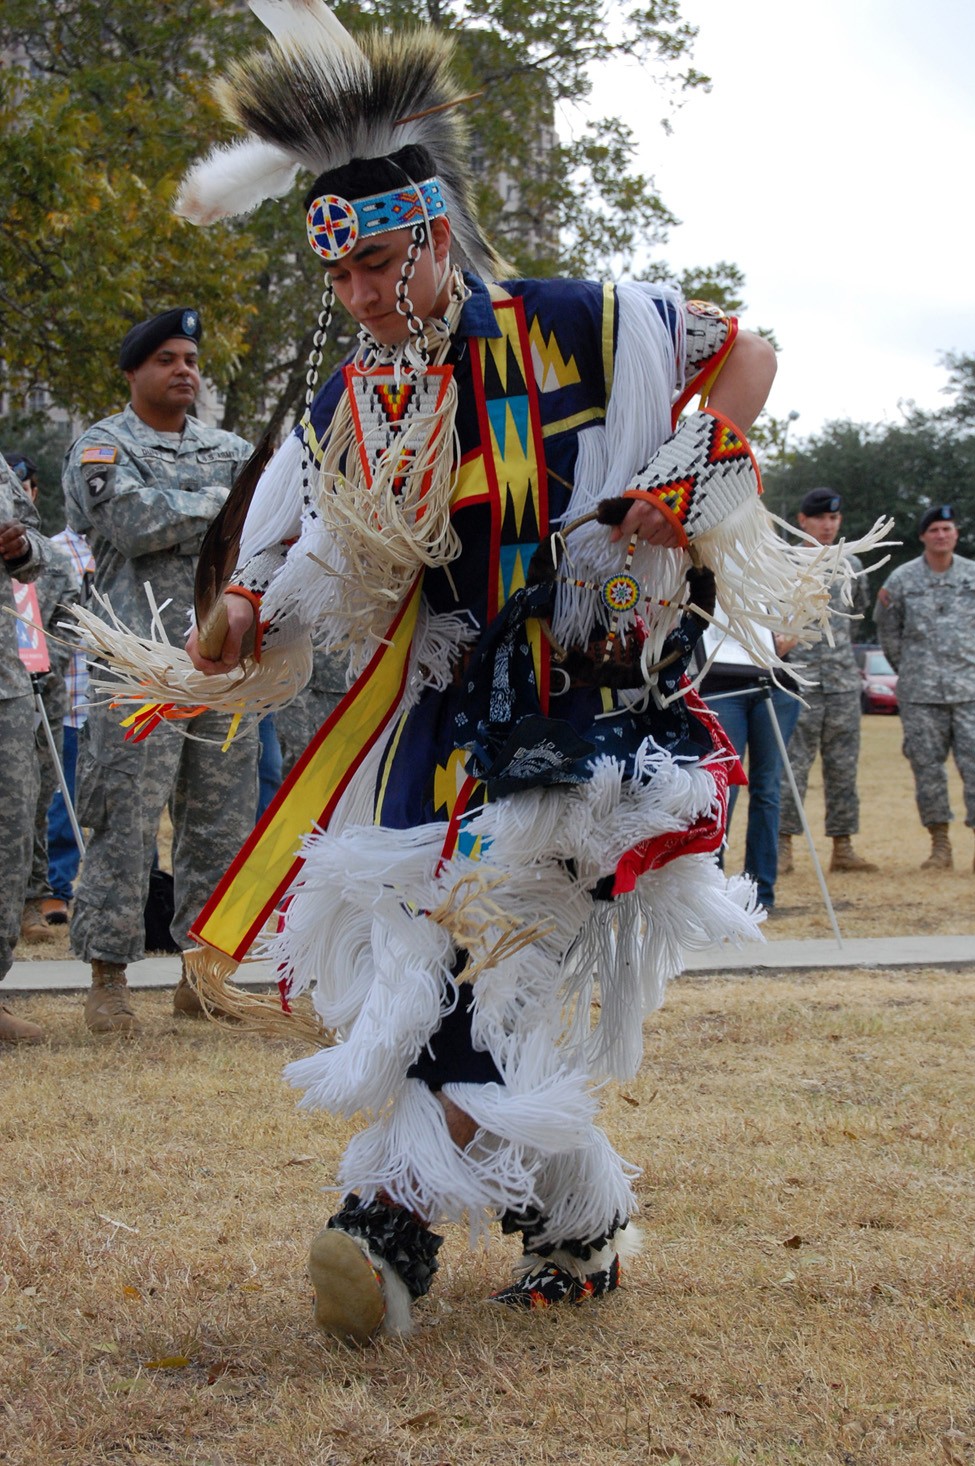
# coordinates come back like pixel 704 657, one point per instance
pixel 241 618
pixel 638 517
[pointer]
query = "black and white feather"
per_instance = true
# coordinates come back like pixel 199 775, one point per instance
pixel 318 99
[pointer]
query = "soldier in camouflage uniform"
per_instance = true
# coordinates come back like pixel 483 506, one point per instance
pixel 23 554
pixel 926 620
pixel 58 589
pixel 830 724
pixel 143 487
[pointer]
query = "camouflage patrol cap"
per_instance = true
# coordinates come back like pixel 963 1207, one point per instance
pixel 148 336
pixel 934 516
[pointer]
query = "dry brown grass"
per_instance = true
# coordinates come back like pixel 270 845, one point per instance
pixel 806 1294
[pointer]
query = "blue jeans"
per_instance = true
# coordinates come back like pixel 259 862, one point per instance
pixel 63 856
pixel 269 764
pixel 745 718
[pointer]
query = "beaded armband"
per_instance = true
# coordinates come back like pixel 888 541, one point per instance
pixel 706 329
pixel 700 476
pixel 709 336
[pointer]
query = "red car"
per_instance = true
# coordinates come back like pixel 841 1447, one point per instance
pixel 878 680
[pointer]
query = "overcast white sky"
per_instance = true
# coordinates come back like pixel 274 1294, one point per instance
pixel 832 161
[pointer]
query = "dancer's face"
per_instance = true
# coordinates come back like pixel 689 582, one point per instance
pixel 365 281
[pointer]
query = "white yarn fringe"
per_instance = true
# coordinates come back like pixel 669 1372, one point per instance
pixel 151 669
pixel 763 580
pixel 409 1153
pixel 438 640
pixel 274 513
pixel 359 925
pixel 632 949
pixel 584 1190
pixel 646 374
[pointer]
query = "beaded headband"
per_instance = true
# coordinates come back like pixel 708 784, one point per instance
pixel 336 225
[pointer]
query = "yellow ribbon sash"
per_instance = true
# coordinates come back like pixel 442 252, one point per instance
pixel 269 861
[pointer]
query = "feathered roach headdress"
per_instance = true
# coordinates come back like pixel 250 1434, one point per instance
pixel 320 100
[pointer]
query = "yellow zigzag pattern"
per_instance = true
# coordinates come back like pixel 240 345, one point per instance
pixel 551 368
pixel 447 782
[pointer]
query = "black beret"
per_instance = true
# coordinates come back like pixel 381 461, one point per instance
pixel 933 516
pixel 148 336
pixel 820 501
pixel 22 466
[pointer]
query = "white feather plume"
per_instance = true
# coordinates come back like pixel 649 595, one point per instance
pixel 234 179
pixel 308 25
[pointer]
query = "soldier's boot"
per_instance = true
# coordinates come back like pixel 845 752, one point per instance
pixel 785 855
pixel 188 1004
pixel 34 926
pixel 107 1008
pixel 940 857
pixel 14 1030
pixel 846 858
pixel 186 1001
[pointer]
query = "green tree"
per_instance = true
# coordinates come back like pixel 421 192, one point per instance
pixel 961 385
pixel 96 113
pixel 33 435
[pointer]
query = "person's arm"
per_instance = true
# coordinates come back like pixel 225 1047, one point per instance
pixel 57 604
pixel 739 395
pixel 889 619
pixel 745 380
pixel 24 551
pixel 861 592
pixel 105 491
pixel 274 511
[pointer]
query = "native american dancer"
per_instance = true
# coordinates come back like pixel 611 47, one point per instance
pixel 489 509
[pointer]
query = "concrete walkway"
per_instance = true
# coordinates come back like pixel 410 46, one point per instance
pixel 69 975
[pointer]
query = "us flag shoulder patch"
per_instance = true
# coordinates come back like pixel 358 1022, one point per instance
pixel 106 454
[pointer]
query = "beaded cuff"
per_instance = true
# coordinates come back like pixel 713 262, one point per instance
pixel 700 476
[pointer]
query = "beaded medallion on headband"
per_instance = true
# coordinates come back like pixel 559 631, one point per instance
pixel 336 225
